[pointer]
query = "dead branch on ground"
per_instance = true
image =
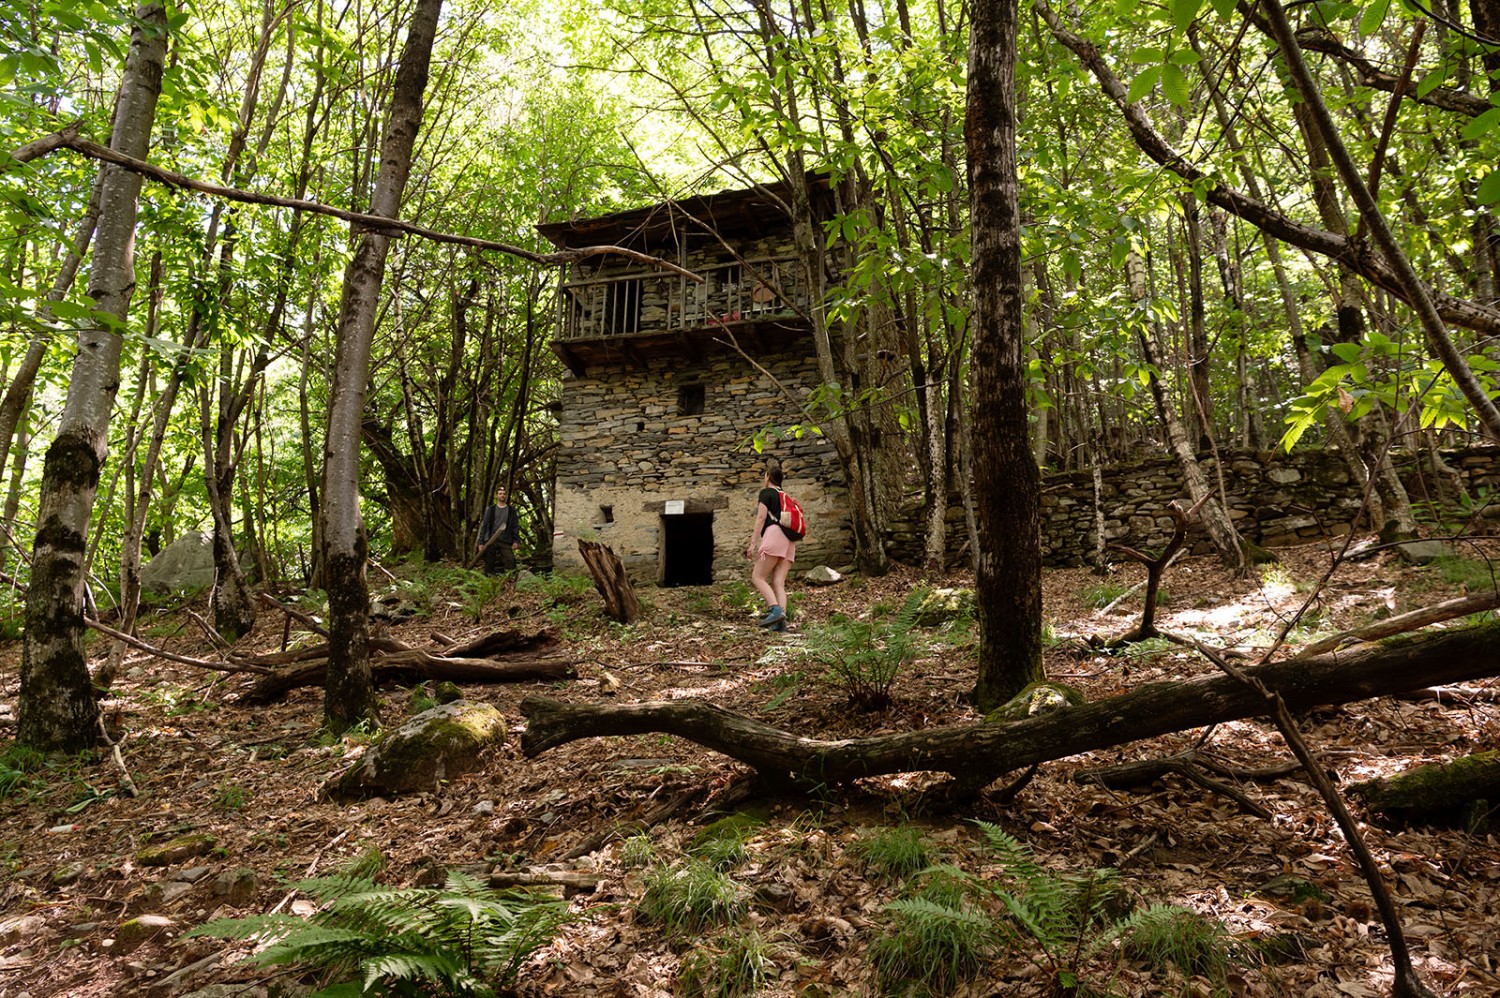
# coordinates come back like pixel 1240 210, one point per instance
pixel 980 753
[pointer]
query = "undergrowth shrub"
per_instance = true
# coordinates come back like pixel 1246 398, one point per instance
pixel 895 852
pixel 934 945
pixel 737 964
pixel 1195 944
pixel 691 896
pixel 638 852
pixel 17 765
pixel 461 939
pixel 722 843
pixel 865 657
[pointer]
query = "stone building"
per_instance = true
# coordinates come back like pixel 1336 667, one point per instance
pixel 670 379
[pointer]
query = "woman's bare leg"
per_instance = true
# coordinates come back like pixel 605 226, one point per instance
pixel 778 581
pixel 760 577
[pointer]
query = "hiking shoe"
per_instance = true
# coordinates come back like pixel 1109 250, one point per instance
pixel 773 616
pixel 779 626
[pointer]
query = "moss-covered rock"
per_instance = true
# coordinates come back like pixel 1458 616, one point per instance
pixel 943 605
pixel 176 850
pixel 1038 698
pixel 436 745
pixel 130 935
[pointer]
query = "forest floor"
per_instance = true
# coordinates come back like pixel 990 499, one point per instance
pixel 819 869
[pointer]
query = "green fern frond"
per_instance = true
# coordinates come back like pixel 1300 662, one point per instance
pixel 258 927
pixel 460 939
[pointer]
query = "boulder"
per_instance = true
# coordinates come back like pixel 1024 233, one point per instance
pixel 943 605
pixel 821 575
pixel 187 565
pixel 1423 552
pixel 433 746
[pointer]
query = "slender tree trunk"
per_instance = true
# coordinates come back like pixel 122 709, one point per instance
pixel 1197 339
pixel 349 696
pixel 1007 483
pixel 57 708
pixel 18 394
pixel 1439 342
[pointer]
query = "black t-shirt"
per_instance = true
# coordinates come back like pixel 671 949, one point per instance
pixel 771 500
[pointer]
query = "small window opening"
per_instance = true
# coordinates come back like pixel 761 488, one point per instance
pixel 607 514
pixel 690 400
pixel 640 427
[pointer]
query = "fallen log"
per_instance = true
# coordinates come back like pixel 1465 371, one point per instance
pixel 978 754
pixel 1438 791
pixel 1403 622
pixel 414 666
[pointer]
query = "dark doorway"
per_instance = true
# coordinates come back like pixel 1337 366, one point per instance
pixel 687 549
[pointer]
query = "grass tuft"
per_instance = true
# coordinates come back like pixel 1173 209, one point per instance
pixel 691 896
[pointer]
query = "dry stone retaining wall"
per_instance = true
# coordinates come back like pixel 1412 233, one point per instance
pixel 1274 499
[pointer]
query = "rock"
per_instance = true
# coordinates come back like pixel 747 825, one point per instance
pixel 19 927
pixel 67 873
pixel 448 693
pixel 162 894
pixel 434 746
pixel 236 886
pixel 130 935
pixel 943 605
pixel 176 850
pixel 1423 552
pixel 193 874
pixel 485 807
pixel 187 565
pixel 821 575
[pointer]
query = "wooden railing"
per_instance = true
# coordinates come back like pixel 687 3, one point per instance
pixel 648 302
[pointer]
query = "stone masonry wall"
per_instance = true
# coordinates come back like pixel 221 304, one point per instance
pixel 1275 499
pixel 625 445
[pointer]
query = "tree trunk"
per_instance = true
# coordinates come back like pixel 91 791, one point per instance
pixel 1007 483
pixel 57 708
pixel 1439 343
pixel 18 394
pixel 978 754
pixel 349 696
pixel 1438 791
pixel 614 586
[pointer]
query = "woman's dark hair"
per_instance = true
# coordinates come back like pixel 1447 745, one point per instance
pixel 774 474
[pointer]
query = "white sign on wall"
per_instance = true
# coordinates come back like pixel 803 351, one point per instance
pixel 674 507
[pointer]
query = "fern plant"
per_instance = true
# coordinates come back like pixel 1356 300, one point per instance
pixel 1071 918
pixel 461 939
pixel 866 657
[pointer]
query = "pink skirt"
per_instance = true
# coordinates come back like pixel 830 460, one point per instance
pixel 774 544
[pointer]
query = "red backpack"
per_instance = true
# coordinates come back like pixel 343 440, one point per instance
pixel 792 521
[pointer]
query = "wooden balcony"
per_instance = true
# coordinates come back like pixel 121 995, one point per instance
pixel 755 303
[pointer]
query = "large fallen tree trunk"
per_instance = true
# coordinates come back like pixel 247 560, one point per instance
pixel 398 662
pixel 977 754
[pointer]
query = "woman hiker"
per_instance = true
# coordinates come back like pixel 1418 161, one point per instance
pixel 775 553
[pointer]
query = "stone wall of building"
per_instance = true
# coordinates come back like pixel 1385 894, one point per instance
pixel 628 450
pixel 1275 499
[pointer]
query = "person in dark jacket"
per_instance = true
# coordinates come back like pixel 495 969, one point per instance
pixel 499 536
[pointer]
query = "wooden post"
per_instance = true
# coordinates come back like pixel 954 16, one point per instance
pixel 614 585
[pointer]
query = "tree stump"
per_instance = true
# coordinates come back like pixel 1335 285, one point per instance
pixel 614 585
